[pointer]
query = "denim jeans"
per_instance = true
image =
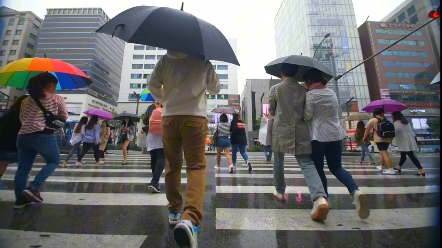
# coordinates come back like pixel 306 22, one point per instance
pixel 75 148
pixel 333 154
pixel 308 170
pixel 268 151
pixel 29 145
pixel 365 150
pixel 242 150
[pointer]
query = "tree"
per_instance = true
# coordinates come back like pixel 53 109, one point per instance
pixel 434 126
pixel 257 123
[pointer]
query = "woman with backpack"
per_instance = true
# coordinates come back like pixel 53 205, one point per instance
pixel 126 136
pixel 104 139
pixel 405 140
pixel 154 143
pixel 223 141
pixel 238 139
pixel 91 140
pixel 77 138
pixel 359 137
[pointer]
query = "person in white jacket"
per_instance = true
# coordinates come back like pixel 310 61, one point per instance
pixel 405 140
pixel 77 138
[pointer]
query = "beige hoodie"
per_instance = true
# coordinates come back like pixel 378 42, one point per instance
pixel 180 83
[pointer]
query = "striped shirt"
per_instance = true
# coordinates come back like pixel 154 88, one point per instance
pixel 223 129
pixel 32 118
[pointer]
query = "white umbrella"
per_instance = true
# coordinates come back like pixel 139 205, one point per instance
pixel 358 117
pixel 225 110
pixel 436 79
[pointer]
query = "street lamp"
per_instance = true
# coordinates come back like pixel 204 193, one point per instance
pixel 348 112
pixel 325 37
pixel 138 102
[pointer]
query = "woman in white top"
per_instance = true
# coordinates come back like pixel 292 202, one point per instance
pixel 77 138
pixel 223 143
pixel 405 140
pixel 321 109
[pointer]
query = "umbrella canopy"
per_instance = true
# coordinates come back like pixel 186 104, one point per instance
pixel 18 73
pixel 102 114
pixel 146 96
pixel 388 105
pixel 120 117
pixel 304 64
pixel 436 79
pixel 171 29
pixel 225 110
pixel 358 117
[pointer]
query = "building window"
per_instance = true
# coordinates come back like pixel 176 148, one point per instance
pixel 159 56
pixel 15 42
pixel 18 32
pixel 222 67
pixel 393 86
pixel 2 52
pixel 414 19
pixel 135 86
pixel 8 32
pixel 151 48
pixel 21 21
pixel 138 47
pixel 223 76
pixel 32 36
pixel 149 66
pixel 390 74
pixel 132 97
pixel 11 21
pixel 138 56
pixel 135 76
pixel 401 17
pixel 145 76
pixel 30 46
pixel 12 52
pixel 394 20
pixel 411 10
pixel 137 66
pixel 387 63
pixel 144 86
pixel 224 86
pixel 5 42
pixel 152 57
pixel 27 55
pixel 159 48
pixel 424 54
pixel 9 61
pixel 421 43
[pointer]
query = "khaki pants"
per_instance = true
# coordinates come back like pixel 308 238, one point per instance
pixel 188 134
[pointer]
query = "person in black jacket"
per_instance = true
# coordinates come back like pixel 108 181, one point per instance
pixel 238 139
pixel 9 127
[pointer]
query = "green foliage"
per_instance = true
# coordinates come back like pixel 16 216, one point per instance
pixel 434 126
pixel 257 123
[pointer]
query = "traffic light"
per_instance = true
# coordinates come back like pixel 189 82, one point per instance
pixel 434 14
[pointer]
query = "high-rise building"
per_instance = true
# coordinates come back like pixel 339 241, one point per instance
pixel 416 12
pixel 139 61
pixel 404 71
pixel 69 34
pixel 301 25
pixel 18 35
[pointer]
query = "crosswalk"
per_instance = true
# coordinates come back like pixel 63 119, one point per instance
pixel 109 206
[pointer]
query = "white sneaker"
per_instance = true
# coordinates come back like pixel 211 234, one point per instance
pixel 175 217
pixel 186 234
pixel 231 169
pixel 320 209
pixel 389 172
pixel 380 168
pixel 78 164
pixel 280 197
pixel 361 203
pixel 216 167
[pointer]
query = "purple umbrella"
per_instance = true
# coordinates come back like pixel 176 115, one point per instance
pixel 102 114
pixel 388 105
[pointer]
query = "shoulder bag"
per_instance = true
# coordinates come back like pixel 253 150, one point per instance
pixel 51 120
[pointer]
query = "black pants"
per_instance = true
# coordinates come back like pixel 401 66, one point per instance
pixel 412 157
pixel 157 164
pixel 86 147
pixel 101 153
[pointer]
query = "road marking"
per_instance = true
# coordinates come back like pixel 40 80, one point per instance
pixel 77 179
pixel 380 176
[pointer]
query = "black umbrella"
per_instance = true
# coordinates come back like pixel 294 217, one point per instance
pixel 171 29
pixel 120 117
pixel 304 63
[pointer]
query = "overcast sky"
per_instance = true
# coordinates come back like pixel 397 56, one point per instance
pixel 249 21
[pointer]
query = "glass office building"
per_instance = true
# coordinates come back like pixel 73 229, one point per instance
pixel 301 25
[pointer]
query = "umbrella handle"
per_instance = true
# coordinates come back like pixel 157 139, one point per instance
pixel 182 6
pixel 119 25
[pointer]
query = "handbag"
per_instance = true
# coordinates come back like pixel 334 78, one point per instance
pixel 51 120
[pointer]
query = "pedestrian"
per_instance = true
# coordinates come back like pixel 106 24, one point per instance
pixel 405 140
pixel 359 137
pixel 223 141
pixel 37 136
pixel 154 141
pixel 91 140
pixel 321 111
pixel 104 139
pixel 381 142
pixel 238 139
pixel 75 142
pixel 268 152
pixel 185 80
pixel 290 134
pixel 126 136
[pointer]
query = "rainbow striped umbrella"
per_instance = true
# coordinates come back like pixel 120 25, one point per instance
pixel 146 96
pixel 18 73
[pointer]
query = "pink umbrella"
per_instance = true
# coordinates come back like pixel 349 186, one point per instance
pixel 388 105
pixel 102 114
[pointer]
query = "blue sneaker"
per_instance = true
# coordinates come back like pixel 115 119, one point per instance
pixel 174 217
pixel 185 234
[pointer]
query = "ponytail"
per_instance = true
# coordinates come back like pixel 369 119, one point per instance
pixel 38 83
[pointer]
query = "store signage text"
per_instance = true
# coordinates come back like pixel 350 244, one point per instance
pixel 408 92
pixel 396 25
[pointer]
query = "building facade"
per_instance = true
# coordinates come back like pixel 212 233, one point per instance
pixel 140 60
pixel 404 71
pixel 18 36
pixel 301 25
pixel 69 35
pixel 416 12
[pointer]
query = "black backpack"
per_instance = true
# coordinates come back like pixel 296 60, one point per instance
pixel 385 128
